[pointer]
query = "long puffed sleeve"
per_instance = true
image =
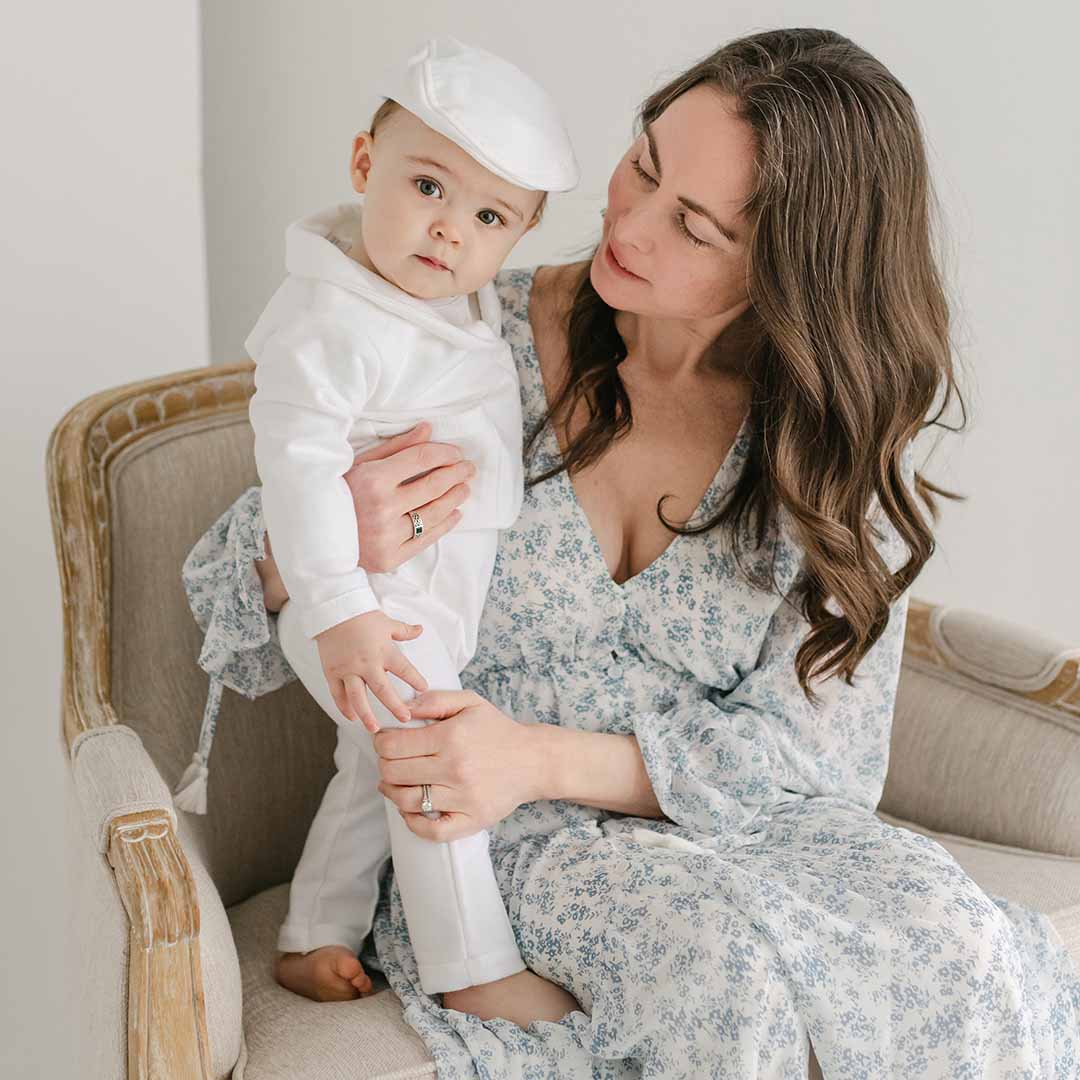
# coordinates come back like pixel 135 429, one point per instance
pixel 240 647
pixel 719 763
pixel 310 385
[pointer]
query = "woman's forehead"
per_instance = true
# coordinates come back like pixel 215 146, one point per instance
pixel 700 145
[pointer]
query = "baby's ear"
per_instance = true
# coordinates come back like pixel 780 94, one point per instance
pixel 360 160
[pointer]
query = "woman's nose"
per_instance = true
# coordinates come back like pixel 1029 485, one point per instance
pixel 635 228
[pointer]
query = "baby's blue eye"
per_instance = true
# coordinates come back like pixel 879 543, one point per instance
pixel 492 213
pixel 425 180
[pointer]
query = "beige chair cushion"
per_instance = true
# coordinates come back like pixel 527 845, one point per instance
pixel 289 1037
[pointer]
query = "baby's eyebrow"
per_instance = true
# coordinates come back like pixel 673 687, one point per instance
pixel 431 163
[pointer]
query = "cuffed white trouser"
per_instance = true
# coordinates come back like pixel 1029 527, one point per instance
pixel 460 932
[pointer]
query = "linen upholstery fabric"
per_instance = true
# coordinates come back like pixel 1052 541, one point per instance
pixel 100 959
pixel 277 751
pixel 109 765
pixel 998 651
pixel 290 1037
pixel 114 776
pixel 969 758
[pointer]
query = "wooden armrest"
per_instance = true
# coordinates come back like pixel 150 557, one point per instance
pixel 166 1010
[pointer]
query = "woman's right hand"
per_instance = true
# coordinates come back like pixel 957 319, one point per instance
pixel 386 487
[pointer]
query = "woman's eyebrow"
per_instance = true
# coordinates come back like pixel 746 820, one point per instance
pixel 690 204
pixel 431 163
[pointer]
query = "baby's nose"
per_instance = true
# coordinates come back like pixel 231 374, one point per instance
pixel 447 231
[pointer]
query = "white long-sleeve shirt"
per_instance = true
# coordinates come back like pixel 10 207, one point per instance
pixel 343 358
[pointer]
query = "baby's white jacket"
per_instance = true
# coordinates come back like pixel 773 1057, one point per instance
pixel 343 358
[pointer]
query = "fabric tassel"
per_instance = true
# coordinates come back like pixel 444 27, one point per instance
pixel 190 793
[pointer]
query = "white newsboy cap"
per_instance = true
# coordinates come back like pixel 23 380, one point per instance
pixel 490 108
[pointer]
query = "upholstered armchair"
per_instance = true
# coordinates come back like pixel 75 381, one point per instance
pixel 179 914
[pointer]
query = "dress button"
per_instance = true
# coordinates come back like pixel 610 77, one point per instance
pixel 615 607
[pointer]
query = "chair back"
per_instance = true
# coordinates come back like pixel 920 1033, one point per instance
pixel 136 476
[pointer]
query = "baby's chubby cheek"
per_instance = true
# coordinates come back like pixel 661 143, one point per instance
pixel 478 271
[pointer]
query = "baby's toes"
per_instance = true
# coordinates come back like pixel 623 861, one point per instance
pixel 346 965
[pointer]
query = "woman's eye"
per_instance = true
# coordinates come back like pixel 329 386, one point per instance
pixel 688 234
pixel 497 217
pixel 431 183
pixel 640 171
pixel 679 218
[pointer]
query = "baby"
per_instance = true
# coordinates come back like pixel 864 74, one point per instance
pixel 389 316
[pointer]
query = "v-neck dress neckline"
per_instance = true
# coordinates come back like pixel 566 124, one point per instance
pixel 721 483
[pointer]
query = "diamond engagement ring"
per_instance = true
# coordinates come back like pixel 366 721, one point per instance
pixel 425 802
pixel 417 524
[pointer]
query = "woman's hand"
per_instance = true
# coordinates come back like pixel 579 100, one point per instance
pixel 385 488
pixel 387 485
pixel 274 591
pixel 481 765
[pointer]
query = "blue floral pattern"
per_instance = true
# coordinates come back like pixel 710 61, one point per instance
pixel 770 905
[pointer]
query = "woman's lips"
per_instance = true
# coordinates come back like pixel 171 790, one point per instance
pixel 432 263
pixel 615 265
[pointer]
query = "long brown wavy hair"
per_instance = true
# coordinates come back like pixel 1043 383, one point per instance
pixel 847 330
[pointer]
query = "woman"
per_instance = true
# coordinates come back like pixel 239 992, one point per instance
pixel 677 734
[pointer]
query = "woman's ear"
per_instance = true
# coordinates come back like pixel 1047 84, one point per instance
pixel 361 160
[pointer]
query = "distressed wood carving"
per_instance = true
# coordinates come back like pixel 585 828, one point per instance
pixel 166 1029
pixel 166 1007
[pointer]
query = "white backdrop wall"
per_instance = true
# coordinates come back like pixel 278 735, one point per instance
pixel 103 281
pixel 288 85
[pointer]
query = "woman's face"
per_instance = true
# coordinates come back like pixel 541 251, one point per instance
pixel 676 224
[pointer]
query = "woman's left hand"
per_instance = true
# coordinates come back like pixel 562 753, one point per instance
pixel 481 765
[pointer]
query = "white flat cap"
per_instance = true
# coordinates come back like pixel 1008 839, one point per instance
pixel 490 108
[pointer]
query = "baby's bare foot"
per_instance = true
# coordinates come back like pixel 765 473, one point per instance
pixel 332 973
pixel 522 998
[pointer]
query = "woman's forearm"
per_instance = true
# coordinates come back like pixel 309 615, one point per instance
pixel 594 769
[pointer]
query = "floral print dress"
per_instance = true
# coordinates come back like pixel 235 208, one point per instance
pixel 770 906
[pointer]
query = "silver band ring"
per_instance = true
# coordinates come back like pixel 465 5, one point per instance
pixel 417 524
pixel 425 802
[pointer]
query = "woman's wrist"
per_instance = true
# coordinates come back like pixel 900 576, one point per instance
pixel 591 768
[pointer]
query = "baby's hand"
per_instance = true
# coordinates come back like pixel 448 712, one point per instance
pixel 357 654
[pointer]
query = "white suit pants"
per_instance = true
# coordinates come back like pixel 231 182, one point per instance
pixel 459 929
